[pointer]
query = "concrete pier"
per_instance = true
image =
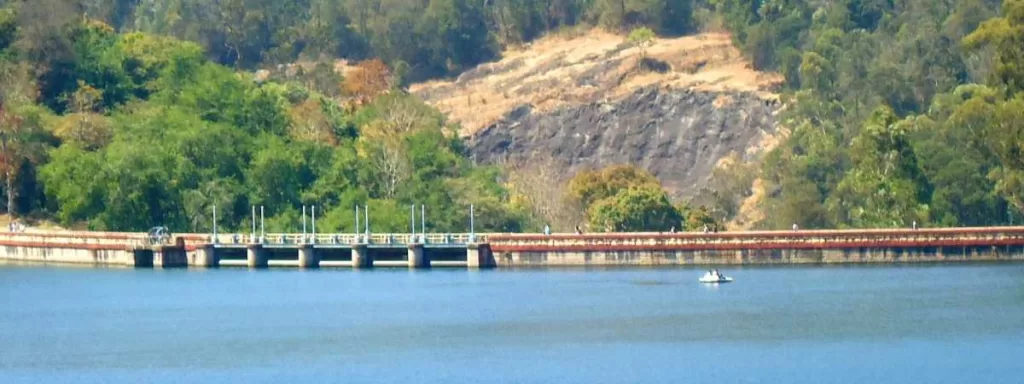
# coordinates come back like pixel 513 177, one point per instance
pixel 479 256
pixel 308 257
pixel 171 256
pixel 141 258
pixel 418 258
pixel 205 256
pixel 256 256
pixel 361 257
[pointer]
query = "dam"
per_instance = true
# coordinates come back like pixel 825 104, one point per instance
pixel 490 250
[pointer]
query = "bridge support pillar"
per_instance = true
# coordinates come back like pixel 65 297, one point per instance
pixel 141 258
pixel 418 257
pixel 361 257
pixel 478 255
pixel 256 256
pixel 308 257
pixel 172 256
pixel 205 257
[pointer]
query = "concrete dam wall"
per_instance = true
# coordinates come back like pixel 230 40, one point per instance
pixel 89 248
pixel 768 247
pixel 518 250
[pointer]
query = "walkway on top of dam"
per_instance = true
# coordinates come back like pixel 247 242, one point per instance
pixel 339 240
pixel 643 241
pixel 526 242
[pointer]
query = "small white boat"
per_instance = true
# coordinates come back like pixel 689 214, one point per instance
pixel 715 277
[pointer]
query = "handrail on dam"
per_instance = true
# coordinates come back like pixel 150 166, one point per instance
pixel 816 239
pixel 340 238
pixel 811 233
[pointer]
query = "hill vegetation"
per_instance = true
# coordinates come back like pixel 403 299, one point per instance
pixel 900 111
pixel 115 124
pixel 128 131
pixel 132 113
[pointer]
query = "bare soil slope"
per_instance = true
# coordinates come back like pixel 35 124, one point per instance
pixel 581 102
pixel 557 71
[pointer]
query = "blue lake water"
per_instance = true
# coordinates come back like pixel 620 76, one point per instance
pixel 891 324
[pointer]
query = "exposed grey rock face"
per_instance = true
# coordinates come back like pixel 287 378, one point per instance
pixel 678 135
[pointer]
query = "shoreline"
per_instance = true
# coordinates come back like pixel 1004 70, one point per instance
pixel 504 251
pixel 240 265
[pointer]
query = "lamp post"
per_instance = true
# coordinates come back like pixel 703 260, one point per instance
pixel 215 224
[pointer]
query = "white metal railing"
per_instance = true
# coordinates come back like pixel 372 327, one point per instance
pixel 350 238
pixel 597 239
pixel 833 238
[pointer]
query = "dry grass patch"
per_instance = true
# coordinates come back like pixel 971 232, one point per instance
pixel 575 69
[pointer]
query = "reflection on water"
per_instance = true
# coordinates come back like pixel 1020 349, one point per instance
pixel 799 324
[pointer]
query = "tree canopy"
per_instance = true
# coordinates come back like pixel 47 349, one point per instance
pixel 133 130
pixel 131 113
pixel 900 111
pixel 624 198
pixel 424 38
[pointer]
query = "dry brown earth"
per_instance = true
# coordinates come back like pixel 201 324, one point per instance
pixel 556 71
pixel 583 101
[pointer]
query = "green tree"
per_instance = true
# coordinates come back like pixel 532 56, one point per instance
pixel 1006 36
pixel 1005 138
pixel 641 38
pixel 644 208
pixel 699 219
pixel 460 36
pixel 72 181
pixel 676 16
pixel 8 28
pixel 885 187
pixel 277 175
pixel 23 139
pixel 589 186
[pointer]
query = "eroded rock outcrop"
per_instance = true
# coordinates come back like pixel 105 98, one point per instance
pixel 679 135
pixel 589 101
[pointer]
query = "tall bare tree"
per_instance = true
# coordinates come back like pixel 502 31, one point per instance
pixel 541 184
pixel 15 138
pixel 384 146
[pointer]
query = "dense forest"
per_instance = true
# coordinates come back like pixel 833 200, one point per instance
pixel 900 111
pixel 419 38
pixel 130 113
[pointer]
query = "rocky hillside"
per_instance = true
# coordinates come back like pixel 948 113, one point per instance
pixel 588 102
pixel 679 135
